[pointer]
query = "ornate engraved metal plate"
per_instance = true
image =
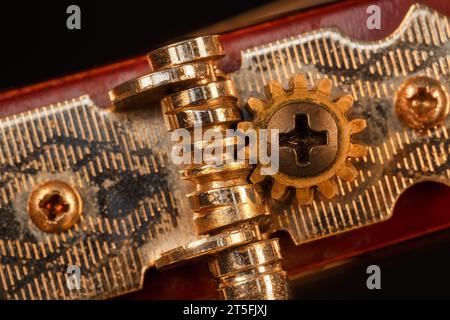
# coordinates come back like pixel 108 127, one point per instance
pixel 398 156
pixel 134 202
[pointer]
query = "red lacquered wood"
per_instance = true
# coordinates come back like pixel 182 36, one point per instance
pixel 349 16
pixel 422 210
pixel 96 83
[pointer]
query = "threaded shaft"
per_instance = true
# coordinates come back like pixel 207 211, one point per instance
pixel 228 209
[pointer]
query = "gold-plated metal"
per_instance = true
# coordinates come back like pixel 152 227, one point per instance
pixel 190 118
pixel 149 89
pixel 175 66
pixel 315 138
pixel 397 157
pixel 209 245
pixel 135 205
pixel 54 206
pixel 223 199
pixel 251 272
pixel 225 206
pixel 422 102
pixel 196 49
pixel 218 92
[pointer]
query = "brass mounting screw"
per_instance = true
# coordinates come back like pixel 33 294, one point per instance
pixel 422 102
pixel 54 206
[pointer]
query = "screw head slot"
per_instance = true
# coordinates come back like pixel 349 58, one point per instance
pixel 422 102
pixel 54 206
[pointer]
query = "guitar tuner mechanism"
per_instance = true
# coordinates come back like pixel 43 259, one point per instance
pixel 313 136
pixel 313 130
pixel 225 204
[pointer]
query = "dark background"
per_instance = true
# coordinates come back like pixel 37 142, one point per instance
pixel 37 46
pixel 416 269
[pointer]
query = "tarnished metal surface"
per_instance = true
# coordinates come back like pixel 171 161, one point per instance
pixel 134 202
pixel 398 156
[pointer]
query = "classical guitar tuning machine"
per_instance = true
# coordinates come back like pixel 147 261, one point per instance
pixel 228 208
pixel 358 123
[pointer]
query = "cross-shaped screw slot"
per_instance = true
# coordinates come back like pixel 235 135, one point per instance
pixel 422 100
pixel 303 139
pixel 54 206
pixel 308 138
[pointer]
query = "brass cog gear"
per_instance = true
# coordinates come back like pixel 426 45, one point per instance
pixel 317 161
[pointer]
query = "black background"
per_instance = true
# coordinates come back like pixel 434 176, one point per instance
pixel 416 269
pixel 36 44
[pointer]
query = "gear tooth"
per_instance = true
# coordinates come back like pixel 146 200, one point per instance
pixel 304 196
pixel 255 105
pixel 357 150
pixel 256 176
pixel 274 89
pixel 348 172
pixel 277 98
pixel 345 102
pixel 357 125
pixel 324 86
pixel 328 188
pixel 279 191
pixel 298 82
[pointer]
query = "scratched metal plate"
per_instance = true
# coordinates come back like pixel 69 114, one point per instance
pixel 135 203
pixel 398 157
